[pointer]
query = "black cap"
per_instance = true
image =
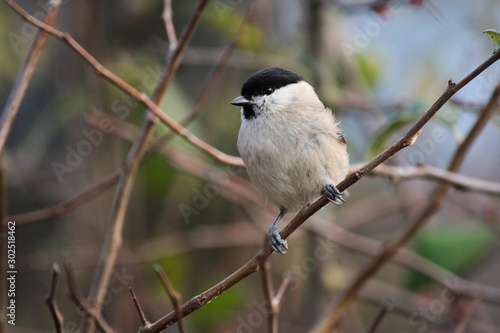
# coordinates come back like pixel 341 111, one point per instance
pixel 267 80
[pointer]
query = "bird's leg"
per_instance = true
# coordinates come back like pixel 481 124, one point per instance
pixel 333 194
pixel 278 244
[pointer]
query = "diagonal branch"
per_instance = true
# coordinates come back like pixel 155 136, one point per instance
pixel 51 302
pixel 81 302
pixel 24 77
pixel 128 89
pixel 175 297
pixel 391 248
pixel 253 264
pixel 113 240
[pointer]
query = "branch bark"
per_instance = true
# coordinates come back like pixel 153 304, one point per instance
pixel 253 264
pixel 114 232
pixel 328 323
pixel 24 77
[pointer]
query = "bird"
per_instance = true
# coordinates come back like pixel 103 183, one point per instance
pixel 292 146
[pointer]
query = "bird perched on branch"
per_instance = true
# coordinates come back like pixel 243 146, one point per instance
pixel 291 144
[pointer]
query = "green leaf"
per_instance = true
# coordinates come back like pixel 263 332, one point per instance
pixel 453 246
pixel 495 35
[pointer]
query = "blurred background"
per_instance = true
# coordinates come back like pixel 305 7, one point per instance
pixel 378 65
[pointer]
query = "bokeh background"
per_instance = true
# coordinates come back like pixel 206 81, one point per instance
pixel 379 67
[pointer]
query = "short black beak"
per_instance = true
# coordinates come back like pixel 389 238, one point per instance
pixel 241 101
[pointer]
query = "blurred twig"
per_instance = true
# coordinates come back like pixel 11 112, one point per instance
pixel 273 299
pixel 467 316
pixel 252 265
pixel 128 89
pixel 384 309
pixel 51 302
pixel 81 302
pixel 169 24
pixel 175 297
pixel 461 182
pixel 113 239
pixel 17 93
pixel 436 200
pixel 66 206
pixel 144 320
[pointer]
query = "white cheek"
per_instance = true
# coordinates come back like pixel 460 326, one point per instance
pixel 281 97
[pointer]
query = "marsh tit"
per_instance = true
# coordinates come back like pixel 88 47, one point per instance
pixel 291 144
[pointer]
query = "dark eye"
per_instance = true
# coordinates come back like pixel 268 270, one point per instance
pixel 268 90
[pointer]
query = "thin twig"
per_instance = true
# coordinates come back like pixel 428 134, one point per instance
pixel 252 265
pixel 144 320
pixel 467 316
pixel 128 89
pixel 458 181
pixel 268 288
pixel 173 295
pixel 66 206
pixel 23 79
pixel 51 302
pixel 384 309
pixel 80 301
pixel 169 24
pixel 113 239
pixel 436 200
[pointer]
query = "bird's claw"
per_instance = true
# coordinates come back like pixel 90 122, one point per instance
pixel 333 194
pixel 278 244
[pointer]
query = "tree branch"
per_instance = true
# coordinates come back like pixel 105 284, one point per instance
pixel 128 89
pixel 51 302
pixel 173 295
pixel 253 264
pixel 327 324
pixel 384 309
pixel 113 240
pixel 80 301
pixel 24 77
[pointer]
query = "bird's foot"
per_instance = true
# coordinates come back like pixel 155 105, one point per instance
pixel 333 194
pixel 278 244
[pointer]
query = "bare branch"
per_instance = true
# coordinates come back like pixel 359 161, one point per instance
pixel 253 264
pixel 24 77
pixel 169 24
pixel 128 89
pixel 467 316
pixel 81 302
pixel 66 206
pixel 268 288
pixel 51 302
pixel 173 295
pixel 113 240
pixel 435 202
pixel 144 320
pixel 384 309
pixel 458 181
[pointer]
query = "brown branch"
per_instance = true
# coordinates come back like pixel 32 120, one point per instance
pixel 144 320
pixel 253 264
pixel 66 206
pixel 458 181
pixel 173 295
pixel 24 77
pixel 384 309
pixel 169 24
pixel 113 239
pixel 268 288
pixel 327 324
pixel 81 302
pixel 122 85
pixel 51 302
pixel 467 316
